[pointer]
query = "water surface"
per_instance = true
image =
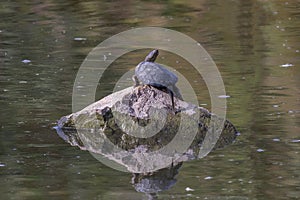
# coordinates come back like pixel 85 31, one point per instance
pixel 255 45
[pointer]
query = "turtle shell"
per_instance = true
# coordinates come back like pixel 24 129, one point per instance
pixel 154 73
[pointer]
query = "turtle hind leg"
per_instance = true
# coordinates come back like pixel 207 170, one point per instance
pixel 172 98
pixel 165 89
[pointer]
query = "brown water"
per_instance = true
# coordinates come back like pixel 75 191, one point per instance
pixel 255 45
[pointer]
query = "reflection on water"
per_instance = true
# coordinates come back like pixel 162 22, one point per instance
pixel 255 45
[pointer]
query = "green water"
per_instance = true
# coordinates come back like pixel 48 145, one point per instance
pixel 255 45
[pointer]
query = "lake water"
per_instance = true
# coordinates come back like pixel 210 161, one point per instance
pixel 255 44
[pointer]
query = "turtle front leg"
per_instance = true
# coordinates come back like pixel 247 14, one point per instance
pixel 135 80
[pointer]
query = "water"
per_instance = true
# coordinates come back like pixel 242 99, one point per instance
pixel 255 45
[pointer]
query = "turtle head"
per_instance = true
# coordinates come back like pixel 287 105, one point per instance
pixel 151 57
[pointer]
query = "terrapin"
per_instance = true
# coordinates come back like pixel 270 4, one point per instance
pixel 150 73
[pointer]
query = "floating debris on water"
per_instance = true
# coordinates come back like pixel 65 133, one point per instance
pixel 224 96
pixel 26 61
pixel 79 39
pixel 188 189
pixel 295 141
pixel 276 139
pixel 260 150
pixel 287 65
pixel 208 178
pixel 2 165
pixel 22 82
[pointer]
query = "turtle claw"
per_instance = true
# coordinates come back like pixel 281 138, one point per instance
pixel 177 111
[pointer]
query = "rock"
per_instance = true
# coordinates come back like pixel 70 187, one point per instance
pixel 142 119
